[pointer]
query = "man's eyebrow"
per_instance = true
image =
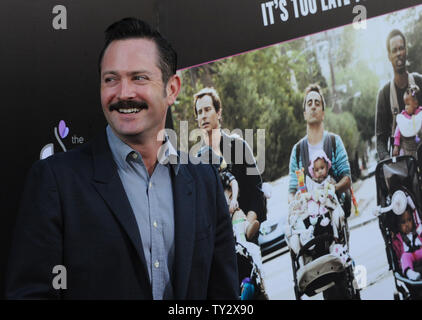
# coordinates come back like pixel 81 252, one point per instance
pixel 136 72
pixel 109 72
pixel 130 73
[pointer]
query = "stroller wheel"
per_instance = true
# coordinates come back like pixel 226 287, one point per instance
pixel 396 296
pixel 343 289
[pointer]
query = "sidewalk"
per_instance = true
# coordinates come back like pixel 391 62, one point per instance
pixel 365 193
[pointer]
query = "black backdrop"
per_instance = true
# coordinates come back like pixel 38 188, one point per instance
pixel 49 75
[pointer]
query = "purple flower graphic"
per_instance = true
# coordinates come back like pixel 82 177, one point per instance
pixel 63 130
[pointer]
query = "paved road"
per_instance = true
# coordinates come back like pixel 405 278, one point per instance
pixel 369 254
pixel 366 247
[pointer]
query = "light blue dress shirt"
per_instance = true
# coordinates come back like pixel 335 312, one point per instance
pixel 151 199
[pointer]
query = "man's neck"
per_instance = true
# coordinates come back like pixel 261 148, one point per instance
pixel 401 79
pixel 147 146
pixel 213 139
pixel 315 133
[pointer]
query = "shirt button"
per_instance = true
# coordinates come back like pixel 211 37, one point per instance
pixel 155 224
pixel 134 156
pixel 156 264
pixel 150 185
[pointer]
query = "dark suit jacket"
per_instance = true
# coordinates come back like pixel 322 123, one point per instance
pixel 74 212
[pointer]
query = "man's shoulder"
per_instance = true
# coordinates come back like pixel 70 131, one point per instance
pixel 204 175
pixel 385 88
pixel 236 143
pixel 232 137
pixel 196 166
pixel 338 140
pixel 78 157
pixel 332 135
pixel 297 144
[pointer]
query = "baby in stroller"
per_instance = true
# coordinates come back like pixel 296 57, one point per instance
pixel 407 242
pixel 316 208
pixel 407 136
pixel 398 208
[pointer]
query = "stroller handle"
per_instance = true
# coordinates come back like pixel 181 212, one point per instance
pixel 380 210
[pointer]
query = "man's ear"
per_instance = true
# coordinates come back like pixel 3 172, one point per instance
pixel 173 88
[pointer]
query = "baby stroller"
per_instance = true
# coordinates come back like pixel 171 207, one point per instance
pixel 398 184
pixel 250 277
pixel 249 263
pixel 322 271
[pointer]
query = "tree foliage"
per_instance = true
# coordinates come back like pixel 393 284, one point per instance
pixel 360 97
pixel 414 42
pixel 343 124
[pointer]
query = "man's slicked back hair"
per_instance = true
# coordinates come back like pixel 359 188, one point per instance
pixel 208 91
pixel 133 28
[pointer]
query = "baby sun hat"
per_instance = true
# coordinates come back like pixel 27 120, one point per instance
pixel 320 154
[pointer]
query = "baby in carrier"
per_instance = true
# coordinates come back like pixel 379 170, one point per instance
pixel 409 124
pixel 244 225
pixel 407 242
pixel 316 208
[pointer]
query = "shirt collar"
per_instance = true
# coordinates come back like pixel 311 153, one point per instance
pixel 167 154
pixel 120 150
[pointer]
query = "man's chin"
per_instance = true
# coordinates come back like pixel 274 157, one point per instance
pixel 128 132
pixel 207 129
pixel 314 121
pixel 400 69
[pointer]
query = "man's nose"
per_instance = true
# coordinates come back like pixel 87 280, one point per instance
pixel 202 115
pixel 126 90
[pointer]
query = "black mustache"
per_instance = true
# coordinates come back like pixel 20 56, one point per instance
pixel 127 104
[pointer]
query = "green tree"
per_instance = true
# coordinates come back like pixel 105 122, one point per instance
pixel 360 96
pixel 344 124
pixel 414 42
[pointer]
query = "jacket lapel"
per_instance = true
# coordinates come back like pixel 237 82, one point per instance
pixel 184 218
pixel 108 184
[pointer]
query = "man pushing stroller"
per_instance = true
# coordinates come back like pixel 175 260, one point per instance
pixel 319 204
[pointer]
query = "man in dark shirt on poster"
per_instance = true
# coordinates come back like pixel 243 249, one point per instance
pixel 390 98
pixel 236 153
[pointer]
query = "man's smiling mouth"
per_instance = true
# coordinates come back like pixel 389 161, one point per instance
pixel 127 111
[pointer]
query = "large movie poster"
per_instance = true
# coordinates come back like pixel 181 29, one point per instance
pixel 259 57
pixel 262 96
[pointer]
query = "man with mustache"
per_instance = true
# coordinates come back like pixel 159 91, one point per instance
pixel 390 98
pixel 122 214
